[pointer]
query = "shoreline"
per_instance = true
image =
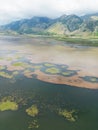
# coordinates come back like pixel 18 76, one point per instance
pixel 89 41
pixel 71 81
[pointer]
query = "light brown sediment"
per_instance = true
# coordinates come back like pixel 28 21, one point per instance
pixel 82 60
pixel 57 79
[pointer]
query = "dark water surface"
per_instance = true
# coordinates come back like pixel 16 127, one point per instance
pixel 48 97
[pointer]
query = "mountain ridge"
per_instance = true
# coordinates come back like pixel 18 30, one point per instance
pixel 63 25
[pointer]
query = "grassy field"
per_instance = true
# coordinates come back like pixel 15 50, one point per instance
pixel 87 41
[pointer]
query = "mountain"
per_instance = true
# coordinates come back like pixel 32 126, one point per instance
pixel 72 22
pixel 33 25
pixel 90 23
pixel 57 28
pixel 64 25
pixel 89 16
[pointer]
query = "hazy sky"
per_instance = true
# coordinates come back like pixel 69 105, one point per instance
pixel 16 9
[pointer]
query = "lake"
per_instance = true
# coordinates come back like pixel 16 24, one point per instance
pixel 47 85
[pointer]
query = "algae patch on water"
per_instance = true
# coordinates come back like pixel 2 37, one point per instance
pixel 32 111
pixel 68 73
pixel 5 75
pixel 21 64
pixel 18 64
pixel 90 79
pixel 8 76
pixel 37 66
pixel 33 124
pixel 48 65
pixel 68 115
pixel 8 105
pixel 52 70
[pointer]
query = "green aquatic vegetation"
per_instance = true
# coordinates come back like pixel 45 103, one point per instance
pixel 7 98
pixel 90 79
pixel 15 98
pixel 21 101
pixel 93 79
pixel 37 66
pixel 8 105
pixel 32 111
pixel 52 70
pixel 68 73
pixel 21 64
pixel 5 75
pixel 8 76
pixel 33 124
pixel 67 114
pixel 48 64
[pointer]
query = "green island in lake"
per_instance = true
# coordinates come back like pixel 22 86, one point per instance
pixel 8 105
pixel 32 111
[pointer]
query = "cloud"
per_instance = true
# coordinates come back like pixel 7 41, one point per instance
pixel 16 9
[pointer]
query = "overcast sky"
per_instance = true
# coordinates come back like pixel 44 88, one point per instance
pixel 16 9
